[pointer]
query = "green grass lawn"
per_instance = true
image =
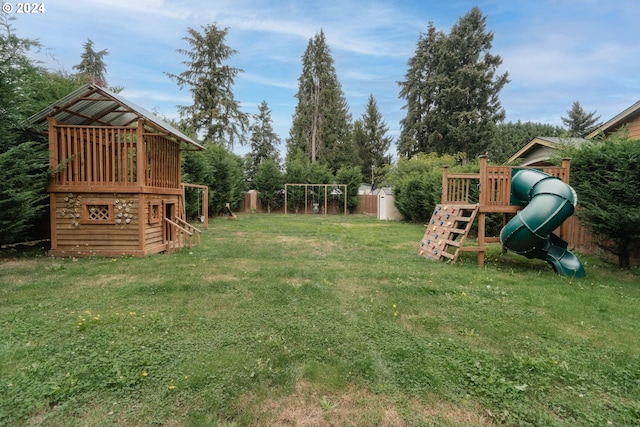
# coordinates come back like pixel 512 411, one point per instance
pixel 316 321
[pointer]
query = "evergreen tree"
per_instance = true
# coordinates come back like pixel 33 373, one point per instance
pixel 510 137
pixel 605 175
pixel 370 136
pixel 579 122
pixel 420 90
pixel 92 66
pixel 264 141
pixel 321 122
pixel 214 111
pixel 269 183
pixel 23 163
pixel 452 90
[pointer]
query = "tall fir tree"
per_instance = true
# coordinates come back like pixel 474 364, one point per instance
pixel 370 136
pixel 452 89
pixel 24 162
pixel 579 123
pixel 92 66
pixel 263 139
pixel 321 129
pixel 420 90
pixel 215 114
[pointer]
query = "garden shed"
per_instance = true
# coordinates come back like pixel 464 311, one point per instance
pixel 116 188
pixel 386 204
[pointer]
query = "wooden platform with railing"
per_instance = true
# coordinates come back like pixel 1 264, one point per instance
pixel 490 191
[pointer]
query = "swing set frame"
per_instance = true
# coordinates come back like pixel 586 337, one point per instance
pixel 204 205
pixel 306 195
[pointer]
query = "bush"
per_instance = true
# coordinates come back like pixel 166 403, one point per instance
pixel 605 176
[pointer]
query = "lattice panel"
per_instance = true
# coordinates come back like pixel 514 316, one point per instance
pixel 98 212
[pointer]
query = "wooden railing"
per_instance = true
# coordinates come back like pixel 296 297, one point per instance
pixel 95 155
pixel 180 234
pixel 114 158
pixel 192 229
pixel 491 187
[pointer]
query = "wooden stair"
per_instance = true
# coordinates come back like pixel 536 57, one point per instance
pixel 446 232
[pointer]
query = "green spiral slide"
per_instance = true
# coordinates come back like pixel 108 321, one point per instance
pixel 549 202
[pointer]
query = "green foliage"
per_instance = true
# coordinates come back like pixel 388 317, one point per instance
pixel 580 123
pixel 273 318
pixel 451 89
pixel 92 66
pixel 417 184
pixel 220 170
pixel 605 175
pixel 264 141
pixel 269 182
pixel 352 177
pixel 321 129
pixel 24 170
pixel 511 137
pixel 214 111
pixel 370 136
pixel 24 89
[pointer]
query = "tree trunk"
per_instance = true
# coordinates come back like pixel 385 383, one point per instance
pixel 624 256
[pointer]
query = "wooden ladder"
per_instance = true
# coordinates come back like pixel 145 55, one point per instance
pixel 446 232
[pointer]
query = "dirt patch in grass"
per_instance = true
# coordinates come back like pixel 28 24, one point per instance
pixel 214 278
pixel 308 406
pixel 7 263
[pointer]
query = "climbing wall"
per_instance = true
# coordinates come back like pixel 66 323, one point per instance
pixel 446 232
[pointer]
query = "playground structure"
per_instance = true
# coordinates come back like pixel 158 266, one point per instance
pixel 537 202
pixel 337 189
pixel 116 188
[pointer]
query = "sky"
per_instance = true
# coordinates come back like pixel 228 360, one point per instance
pixel 555 52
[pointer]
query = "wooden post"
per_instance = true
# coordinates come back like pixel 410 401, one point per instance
pixel 205 207
pixel 53 146
pixel 345 200
pixel 481 237
pixel 325 199
pixel 483 200
pixel 53 162
pixel 566 166
pixel 483 197
pixel 445 184
pixel 141 156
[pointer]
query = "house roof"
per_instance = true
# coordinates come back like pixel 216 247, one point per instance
pixel 91 105
pixel 538 142
pixel 617 121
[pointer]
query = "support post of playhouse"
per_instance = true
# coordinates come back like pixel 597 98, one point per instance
pixel 484 187
pixel 445 185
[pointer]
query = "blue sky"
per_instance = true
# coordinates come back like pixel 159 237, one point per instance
pixel 555 51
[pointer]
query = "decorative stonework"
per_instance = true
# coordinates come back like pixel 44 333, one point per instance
pixel 72 209
pixel 123 212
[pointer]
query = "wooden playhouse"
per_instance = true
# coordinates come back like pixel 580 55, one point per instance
pixel 116 188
